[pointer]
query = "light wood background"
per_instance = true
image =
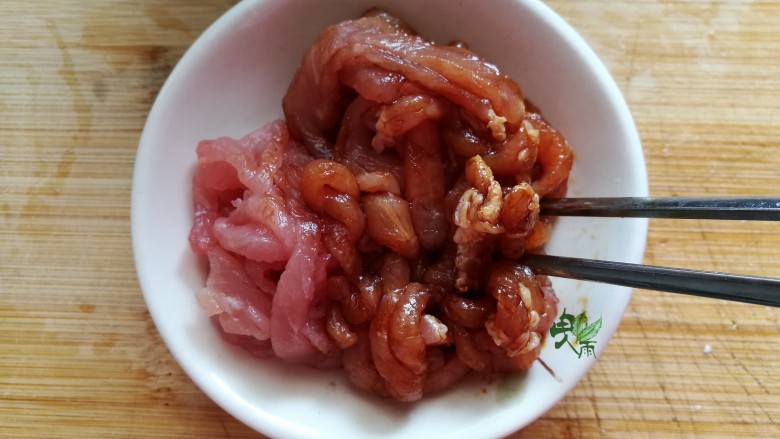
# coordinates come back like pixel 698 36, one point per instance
pixel 80 357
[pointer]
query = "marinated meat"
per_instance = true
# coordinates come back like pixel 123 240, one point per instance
pixel 378 227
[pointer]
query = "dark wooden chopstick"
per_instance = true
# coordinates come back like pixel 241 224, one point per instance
pixel 734 287
pixel 750 208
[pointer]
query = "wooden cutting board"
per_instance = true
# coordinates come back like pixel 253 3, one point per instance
pixel 79 356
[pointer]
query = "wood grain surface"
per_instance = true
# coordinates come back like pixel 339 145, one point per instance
pixel 80 357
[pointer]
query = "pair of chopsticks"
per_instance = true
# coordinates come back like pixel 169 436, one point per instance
pixel 734 287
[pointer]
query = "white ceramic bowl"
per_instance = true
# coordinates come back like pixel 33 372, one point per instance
pixel 232 80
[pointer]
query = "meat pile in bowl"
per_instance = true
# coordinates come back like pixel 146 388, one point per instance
pixel 378 227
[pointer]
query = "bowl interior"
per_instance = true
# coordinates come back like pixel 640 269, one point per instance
pixel 232 80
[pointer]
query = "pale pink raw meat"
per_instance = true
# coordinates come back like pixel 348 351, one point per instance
pixel 211 184
pixel 229 293
pixel 252 224
pixel 225 167
pixel 255 157
pixel 251 240
pixel 265 275
pixel 302 286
